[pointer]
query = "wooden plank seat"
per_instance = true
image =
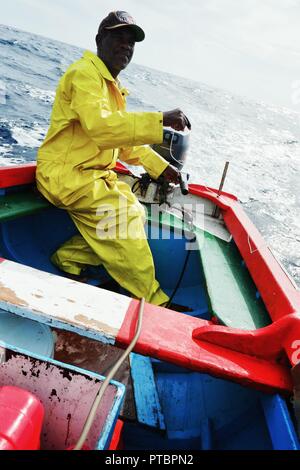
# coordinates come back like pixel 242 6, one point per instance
pixel 111 318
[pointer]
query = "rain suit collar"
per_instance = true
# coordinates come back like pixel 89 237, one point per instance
pixel 101 67
pixel 99 64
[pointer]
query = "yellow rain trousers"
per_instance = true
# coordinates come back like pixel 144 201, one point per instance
pixel 89 130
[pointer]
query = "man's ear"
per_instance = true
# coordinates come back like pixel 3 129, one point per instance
pixel 98 40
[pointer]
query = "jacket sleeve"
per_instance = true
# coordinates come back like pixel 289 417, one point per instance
pixel 106 128
pixel 153 163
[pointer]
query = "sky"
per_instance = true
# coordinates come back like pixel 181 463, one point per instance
pixel 248 47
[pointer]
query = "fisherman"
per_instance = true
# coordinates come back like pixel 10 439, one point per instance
pixel 90 130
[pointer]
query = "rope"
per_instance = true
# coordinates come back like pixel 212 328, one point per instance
pixel 92 414
pixel 171 152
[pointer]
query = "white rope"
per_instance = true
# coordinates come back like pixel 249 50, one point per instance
pixel 171 153
pixel 92 414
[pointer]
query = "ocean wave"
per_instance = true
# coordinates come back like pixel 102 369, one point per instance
pixel 46 96
pixel 5 149
pixel 10 159
pixel 135 103
pixel 146 77
pixel 7 42
pixel 21 134
pixel 29 137
pixel 17 68
pixel 24 46
pixel 6 135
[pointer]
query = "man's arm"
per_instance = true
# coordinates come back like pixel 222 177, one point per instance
pixel 106 128
pixel 153 163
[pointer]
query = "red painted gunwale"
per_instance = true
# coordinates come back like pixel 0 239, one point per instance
pixel 17 175
pixel 276 288
pixel 25 174
pixel 168 336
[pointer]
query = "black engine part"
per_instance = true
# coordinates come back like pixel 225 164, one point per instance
pixel 173 148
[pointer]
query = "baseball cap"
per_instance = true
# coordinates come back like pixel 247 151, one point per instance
pixel 119 19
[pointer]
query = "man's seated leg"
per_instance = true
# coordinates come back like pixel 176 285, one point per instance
pixel 128 260
pixel 74 256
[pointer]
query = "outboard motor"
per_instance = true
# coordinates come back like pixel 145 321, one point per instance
pixel 174 147
pixel 174 150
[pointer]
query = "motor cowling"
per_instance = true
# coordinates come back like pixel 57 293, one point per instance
pixel 174 147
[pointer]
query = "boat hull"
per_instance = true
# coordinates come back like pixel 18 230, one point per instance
pixel 194 402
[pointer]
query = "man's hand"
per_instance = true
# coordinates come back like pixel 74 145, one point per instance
pixel 176 119
pixel 171 174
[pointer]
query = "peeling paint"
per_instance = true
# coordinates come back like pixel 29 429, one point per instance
pixel 52 299
pixel 68 428
pixel 91 322
pixel 54 394
pixel 67 395
pixel 66 374
pixel 8 295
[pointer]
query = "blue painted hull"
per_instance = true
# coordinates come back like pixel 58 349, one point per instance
pixel 202 412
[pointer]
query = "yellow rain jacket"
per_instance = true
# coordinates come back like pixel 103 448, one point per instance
pixel 89 131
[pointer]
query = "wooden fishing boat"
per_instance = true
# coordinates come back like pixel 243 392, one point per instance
pixel 214 377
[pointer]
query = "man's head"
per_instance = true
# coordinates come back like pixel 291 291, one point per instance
pixel 117 35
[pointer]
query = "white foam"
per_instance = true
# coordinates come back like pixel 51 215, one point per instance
pixel 47 96
pixel 6 159
pixel 28 137
pixel 4 149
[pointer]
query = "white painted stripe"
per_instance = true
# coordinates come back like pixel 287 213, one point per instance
pixel 61 302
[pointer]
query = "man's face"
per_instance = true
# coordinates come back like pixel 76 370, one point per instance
pixel 116 48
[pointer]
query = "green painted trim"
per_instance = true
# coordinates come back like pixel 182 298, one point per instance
pixel 20 204
pixel 231 292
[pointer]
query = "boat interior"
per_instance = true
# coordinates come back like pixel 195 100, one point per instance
pixel 31 230
pixel 174 408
